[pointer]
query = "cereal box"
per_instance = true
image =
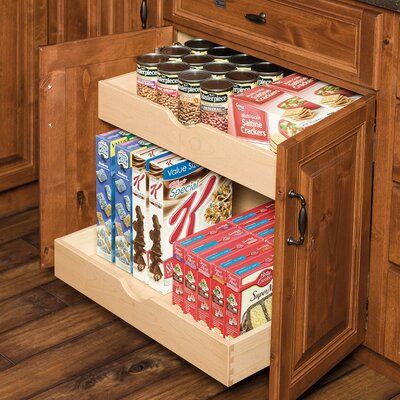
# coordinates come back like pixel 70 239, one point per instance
pixel 105 170
pixel 183 198
pixel 248 295
pixel 219 279
pixel 263 111
pixel 221 243
pixel 318 92
pixel 123 201
pixel 140 200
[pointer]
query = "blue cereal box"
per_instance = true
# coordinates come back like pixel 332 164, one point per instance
pixel 105 169
pixel 123 201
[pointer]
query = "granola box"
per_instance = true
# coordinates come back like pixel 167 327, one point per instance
pixel 248 295
pixel 259 113
pixel 105 205
pixel 123 201
pixel 318 92
pixel 183 198
pixel 221 242
pixel 219 280
pixel 140 202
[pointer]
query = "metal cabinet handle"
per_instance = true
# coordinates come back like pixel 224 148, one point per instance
pixel 257 19
pixel 291 241
pixel 143 13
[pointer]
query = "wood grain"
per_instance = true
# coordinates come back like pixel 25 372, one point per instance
pixel 394 232
pixel 63 292
pixel 16 253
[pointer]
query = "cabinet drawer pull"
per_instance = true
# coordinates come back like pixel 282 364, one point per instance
pixel 143 13
pixel 257 19
pixel 302 219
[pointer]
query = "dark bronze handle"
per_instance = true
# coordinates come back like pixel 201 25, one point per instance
pixel 257 19
pixel 143 13
pixel 291 241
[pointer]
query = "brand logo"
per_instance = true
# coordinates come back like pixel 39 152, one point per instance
pixel 102 149
pixel 137 181
pixel 186 88
pixel 265 278
pixel 154 189
pixel 215 98
pixel 146 71
pixel 168 80
pixel 123 160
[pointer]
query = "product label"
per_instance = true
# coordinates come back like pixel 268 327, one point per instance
pixel 168 84
pixel 241 87
pixel 267 79
pixel 214 102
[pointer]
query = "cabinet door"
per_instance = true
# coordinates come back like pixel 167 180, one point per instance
pixel 320 286
pixel 69 74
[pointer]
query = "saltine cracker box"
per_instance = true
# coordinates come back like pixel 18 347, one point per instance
pixel 249 295
pixel 140 199
pixel 105 205
pixel 123 201
pixel 183 198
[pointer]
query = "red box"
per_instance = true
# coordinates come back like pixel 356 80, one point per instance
pixel 262 222
pixel 248 295
pixel 244 217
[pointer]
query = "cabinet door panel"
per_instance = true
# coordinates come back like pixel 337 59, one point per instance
pixel 320 287
pixel 69 75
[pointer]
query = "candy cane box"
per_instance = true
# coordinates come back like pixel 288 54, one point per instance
pixel 184 198
pixel 248 295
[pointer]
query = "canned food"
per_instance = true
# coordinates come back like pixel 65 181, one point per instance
pixel 242 80
pixel 175 52
pixel 219 70
pixel 197 61
pixel 214 102
pixel 221 53
pixel 268 72
pixel 147 74
pixel 168 83
pixel 199 46
pixel 189 96
pixel 244 62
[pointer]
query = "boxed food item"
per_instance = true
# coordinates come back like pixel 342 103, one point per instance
pixel 123 201
pixel 207 264
pixel 254 213
pixel 140 199
pixel 318 92
pixel 248 295
pixel 221 243
pixel 263 111
pixel 105 206
pixel 219 280
pixel 183 198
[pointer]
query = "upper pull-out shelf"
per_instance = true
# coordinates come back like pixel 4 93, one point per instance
pixel 231 157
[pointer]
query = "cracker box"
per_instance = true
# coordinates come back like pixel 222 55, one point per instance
pixel 105 206
pixel 123 201
pixel 249 295
pixel 221 243
pixel 219 279
pixel 252 214
pixel 179 250
pixel 140 200
pixel 263 111
pixel 183 198
pixel 318 92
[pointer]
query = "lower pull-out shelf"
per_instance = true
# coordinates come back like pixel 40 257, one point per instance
pixel 77 264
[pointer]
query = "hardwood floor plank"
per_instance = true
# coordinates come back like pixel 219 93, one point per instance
pixel 33 238
pixel 18 225
pixel 26 307
pixel 4 363
pixel 64 292
pixel 18 280
pixel 16 253
pixel 64 325
pixel 70 360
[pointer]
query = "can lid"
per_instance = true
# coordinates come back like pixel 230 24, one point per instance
pixel 176 50
pixel 222 52
pixel 267 68
pixel 199 44
pixel 194 75
pixel 242 76
pixel 219 68
pixel 198 59
pixel 172 67
pixel 151 59
pixel 244 60
pixel 217 85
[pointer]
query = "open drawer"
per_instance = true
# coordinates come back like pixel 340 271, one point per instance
pixel 319 301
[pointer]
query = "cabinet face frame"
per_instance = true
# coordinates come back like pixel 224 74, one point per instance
pixel 354 123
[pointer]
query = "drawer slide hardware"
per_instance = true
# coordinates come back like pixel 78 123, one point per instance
pixel 257 19
pixel 291 241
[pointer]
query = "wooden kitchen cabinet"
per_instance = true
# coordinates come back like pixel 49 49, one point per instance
pixel 320 292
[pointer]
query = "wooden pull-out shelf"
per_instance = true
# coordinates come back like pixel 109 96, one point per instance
pixel 77 264
pixel 231 157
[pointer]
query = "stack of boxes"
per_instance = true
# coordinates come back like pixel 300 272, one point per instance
pixel 228 266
